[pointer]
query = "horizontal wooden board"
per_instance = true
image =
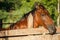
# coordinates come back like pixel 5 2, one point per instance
pixel 37 37
pixel 26 32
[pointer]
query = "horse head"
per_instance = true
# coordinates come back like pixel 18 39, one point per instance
pixel 44 19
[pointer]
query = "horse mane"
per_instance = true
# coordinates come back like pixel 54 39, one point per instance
pixel 27 14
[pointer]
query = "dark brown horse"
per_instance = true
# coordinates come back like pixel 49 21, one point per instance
pixel 41 17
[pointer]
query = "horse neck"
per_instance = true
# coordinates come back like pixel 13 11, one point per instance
pixel 36 20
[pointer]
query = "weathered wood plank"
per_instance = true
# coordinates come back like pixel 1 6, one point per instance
pixel 37 37
pixel 25 31
pixel 11 34
pixel 2 39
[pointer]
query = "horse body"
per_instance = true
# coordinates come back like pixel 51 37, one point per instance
pixel 40 16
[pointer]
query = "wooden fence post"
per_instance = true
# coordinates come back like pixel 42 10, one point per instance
pixel 58 18
pixel 1 23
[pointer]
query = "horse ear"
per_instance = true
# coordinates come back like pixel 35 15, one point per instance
pixel 36 5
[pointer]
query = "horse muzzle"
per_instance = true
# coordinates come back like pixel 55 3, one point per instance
pixel 52 29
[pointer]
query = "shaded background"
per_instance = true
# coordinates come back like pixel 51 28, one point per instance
pixel 13 10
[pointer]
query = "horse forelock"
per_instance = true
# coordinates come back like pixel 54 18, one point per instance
pixel 42 7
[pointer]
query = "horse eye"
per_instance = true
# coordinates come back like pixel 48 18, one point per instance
pixel 42 14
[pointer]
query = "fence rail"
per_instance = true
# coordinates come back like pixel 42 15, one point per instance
pixel 29 34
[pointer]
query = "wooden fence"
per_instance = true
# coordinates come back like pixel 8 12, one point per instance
pixel 29 34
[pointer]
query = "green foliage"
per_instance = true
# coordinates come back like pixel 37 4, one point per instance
pixel 3 14
pixel 24 6
pixel 16 3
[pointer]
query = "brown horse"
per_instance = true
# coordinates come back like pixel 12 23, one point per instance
pixel 41 17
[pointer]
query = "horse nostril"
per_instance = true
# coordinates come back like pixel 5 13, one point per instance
pixel 52 30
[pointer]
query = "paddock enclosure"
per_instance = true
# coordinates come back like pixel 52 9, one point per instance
pixel 29 34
